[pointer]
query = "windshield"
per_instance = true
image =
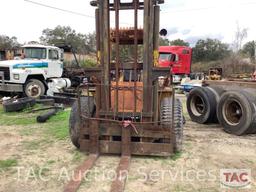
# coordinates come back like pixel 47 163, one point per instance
pixel 165 56
pixel 35 53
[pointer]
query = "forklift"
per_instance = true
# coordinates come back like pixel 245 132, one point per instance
pixel 133 110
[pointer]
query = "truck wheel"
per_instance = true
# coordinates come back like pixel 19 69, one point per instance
pixel 217 92
pixel 74 125
pixel 34 88
pixel 236 112
pixel 166 119
pixel 201 104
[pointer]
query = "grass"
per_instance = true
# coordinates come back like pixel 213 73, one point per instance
pixel 77 156
pixel 176 156
pixel 28 131
pixel 57 126
pixel 5 164
pixel 34 145
pixel 178 188
pixel 38 171
pixel 50 162
pixel 18 118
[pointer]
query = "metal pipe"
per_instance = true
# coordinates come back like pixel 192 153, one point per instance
pixel 97 24
pixel 173 108
pixel 88 100
pixel 79 107
pixel 145 55
pixel 105 51
pixel 156 34
pixel 74 54
pixel 102 66
pixel 117 4
pixel 148 56
pixel 135 53
pixel 44 117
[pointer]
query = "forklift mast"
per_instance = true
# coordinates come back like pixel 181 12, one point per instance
pixel 133 36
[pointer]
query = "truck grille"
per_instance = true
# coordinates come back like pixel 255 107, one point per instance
pixel 6 71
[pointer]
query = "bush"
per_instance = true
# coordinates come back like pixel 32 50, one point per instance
pixel 88 63
pixel 205 66
pixel 236 64
pixel 232 65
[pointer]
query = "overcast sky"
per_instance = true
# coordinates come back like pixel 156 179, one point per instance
pixel 186 19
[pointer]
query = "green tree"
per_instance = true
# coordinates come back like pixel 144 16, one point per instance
pixel 210 50
pixel 164 41
pixel 249 49
pixel 179 42
pixel 65 35
pixel 8 42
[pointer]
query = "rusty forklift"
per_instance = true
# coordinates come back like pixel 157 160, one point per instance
pixel 133 110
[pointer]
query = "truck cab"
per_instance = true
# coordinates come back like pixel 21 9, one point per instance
pixel 30 72
pixel 177 57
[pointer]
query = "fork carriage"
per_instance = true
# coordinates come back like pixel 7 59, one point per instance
pixel 133 110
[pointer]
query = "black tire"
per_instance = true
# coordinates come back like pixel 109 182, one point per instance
pixel 34 88
pixel 166 119
pixel 202 104
pixel 18 104
pixel 236 112
pixel 217 92
pixel 74 128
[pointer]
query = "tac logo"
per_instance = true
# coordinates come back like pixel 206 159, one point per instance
pixel 235 178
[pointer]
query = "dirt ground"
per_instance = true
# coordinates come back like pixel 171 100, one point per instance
pixel 43 163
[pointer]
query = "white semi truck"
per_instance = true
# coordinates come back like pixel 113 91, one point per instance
pixel 38 71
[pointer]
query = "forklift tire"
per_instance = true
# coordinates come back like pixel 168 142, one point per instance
pixel 236 112
pixel 18 104
pixel 166 119
pixel 201 104
pixel 74 125
pixel 34 88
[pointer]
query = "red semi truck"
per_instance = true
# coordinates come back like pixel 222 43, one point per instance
pixel 179 57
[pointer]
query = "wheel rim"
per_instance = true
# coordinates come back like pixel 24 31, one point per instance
pixel 197 105
pixel 232 112
pixel 34 90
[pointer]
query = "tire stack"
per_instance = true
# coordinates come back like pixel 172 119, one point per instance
pixel 235 110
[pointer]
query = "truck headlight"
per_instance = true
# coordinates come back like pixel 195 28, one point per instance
pixel 16 76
